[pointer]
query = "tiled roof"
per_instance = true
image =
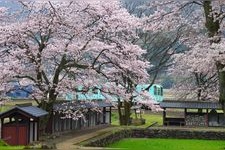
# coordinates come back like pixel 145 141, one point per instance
pixel 32 111
pixel 190 104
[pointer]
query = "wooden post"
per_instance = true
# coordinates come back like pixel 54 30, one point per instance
pixel 80 125
pixel 28 137
pixel 38 128
pixel 104 115
pixel 207 117
pixel 33 127
pixel 71 124
pixel 164 115
pixel 110 115
pixel 96 118
pixel 2 124
pixel 88 117
pixel 185 113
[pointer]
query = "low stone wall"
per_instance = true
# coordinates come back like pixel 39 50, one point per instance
pixel 109 139
pixel 178 133
pixel 156 133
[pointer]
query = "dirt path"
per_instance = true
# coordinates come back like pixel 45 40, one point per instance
pixel 70 141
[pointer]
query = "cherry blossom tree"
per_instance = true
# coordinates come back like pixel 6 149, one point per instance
pixel 207 19
pixel 214 23
pixel 195 81
pixel 56 47
pixel 160 42
pixel 211 19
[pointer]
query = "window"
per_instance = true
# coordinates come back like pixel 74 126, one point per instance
pixel 155 90
pixel 158 91
pixel 161 91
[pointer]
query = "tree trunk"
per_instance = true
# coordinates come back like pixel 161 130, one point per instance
pixel 212 24
pixel 199 99
pixel 120 111
pixel 46 122
pixel 127 113
pixel 221 76
pixel 124 112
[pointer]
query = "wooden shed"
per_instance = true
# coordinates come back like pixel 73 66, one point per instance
pixel 20 125
pixel 90 119
pixel 211 114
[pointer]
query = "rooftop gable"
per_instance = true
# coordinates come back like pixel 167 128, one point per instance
pixel 32 111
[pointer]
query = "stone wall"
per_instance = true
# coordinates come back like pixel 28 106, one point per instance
pixel 109 139
pixel 177 133
pixel 156 133
pixel 194 119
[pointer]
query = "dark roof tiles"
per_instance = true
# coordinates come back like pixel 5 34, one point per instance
pixel 32 111
pixel 190 104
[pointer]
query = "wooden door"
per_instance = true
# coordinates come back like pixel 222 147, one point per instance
pixel 15 135
pixel 9 135
pixel 22 135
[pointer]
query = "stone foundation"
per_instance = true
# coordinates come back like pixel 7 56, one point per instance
pixel 196 120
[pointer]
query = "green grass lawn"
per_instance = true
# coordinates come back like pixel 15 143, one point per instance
pixel 4 146
pixel 169 144
pixel 150 118
pixel 11 147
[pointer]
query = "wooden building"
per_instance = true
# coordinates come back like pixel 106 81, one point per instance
pixel 91 118
pixel 20 125
pixel 211 114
